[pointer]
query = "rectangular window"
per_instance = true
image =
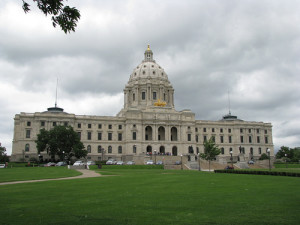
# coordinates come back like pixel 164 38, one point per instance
pixel 28 124
pixel 79 135
pixel 99 126
pixel 266 131
pixel 221 130
pixel 241 130
pixel 120 150
pixel 109 136
pixel 229 130
pixel 213 129
pixel 54 124
pixel 230 139
pixel 109 126
pixel 266 140
pixel 79 125
pixel 204 138
pixel 242 139
pixel 134 149
pixel 133 135
pixel 189 137
pixel 120 127
pixel 259 151
pixel 250 139
pixel 204 129
pixel 143 95
pixel 196 129
pixel 89 126
pixel 99 136
pixel 119 137
pixel 196 138
pixel 249 130
pixel 89 135
pixel 42 123
pixel 133 97
pixel 258 139
pixel 221 139
pixel 257 131
pixel 27 133
pixel 154 95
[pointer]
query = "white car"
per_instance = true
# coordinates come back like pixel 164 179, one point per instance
pixel 78 163
pixel 149 162
pixel 120 163
pixel 89 163
pixel 111 162
pixel 2 165
pixel 130 163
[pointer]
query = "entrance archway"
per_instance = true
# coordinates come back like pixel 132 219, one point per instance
pixel 162 150
pixel 149 149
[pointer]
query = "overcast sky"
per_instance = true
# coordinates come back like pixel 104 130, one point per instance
pixel 250 49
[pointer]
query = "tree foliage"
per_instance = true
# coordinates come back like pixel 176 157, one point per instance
pixel 64 16
pixel 3 156
pixel 61 141
pixel 211 150
pixel 292 154
pixel 263 156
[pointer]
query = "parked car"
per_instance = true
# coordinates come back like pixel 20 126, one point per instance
pixel 251 162
pixel 159 162
pixel 120 163
pixel 89 163
pixel 61 164
pixel 78 163
pixel 149 162
pixel 2 165
pixel 178 163
pixel 130 163
pixel 111 162
pixel 50 164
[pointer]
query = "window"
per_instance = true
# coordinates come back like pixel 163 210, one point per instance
pixel 250 139
pixel 257 131
pixel 213 129
pixel 154 95
pixel 266 140
pixel 119 136
pixel 89 126
pixel 266 131
pixel 120 149
pixel 89 135
pixel 134 126
pixel 27 147
pixel 221 139
pixel 109 126
pixel 204 129
pixel 221 130
pixel 99 136
pixel 54 124
pixel 133 135
pixel 241 130
pixel 197 138
pixel 249 130
pixel 196 129
pixel 229 130
pixel 89 150
pixel 134 149
pixel 109 136
pixel 133 96
pixel 259 151
pixel 204 138
pixel 120 127
pixel 79 125
pixel 230 139
pixel 65 124
pixel 258 139
pixel 99 126
pixel 27 133
pixel 109 149
pixel 222 151
pixel 242 139
pixel 99 149
pixel 143 95
pixel 189 137
pixel 28 124
pixel 79 135
pixel 42 123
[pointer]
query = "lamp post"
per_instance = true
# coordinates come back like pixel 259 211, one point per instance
pixel 285 160
pixel 181 162
pixel 199 161
pixel 63 156
pixel 231 159
pixel 39 160
pixel 155 157
pixel 268 151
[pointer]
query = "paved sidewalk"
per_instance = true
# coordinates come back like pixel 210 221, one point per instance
pixel 85 174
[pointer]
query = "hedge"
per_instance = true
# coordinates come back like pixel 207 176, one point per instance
pixel 259 172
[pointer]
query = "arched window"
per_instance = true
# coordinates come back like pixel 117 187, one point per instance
pixel 27 148
pixel 148 133
pixel 161 134
pixel 173 134
pixel 109 149
pixel 134 149
pixel 149 149
pixel 120 149
pixel 99 149
pixel 162 150
pixel 174 151
pixel 89 149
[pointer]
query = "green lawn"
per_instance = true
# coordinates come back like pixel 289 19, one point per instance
pixel 35 173
pixel 289 165
pixel 154 196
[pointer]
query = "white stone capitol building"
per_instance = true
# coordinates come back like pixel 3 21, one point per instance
pixel 147 124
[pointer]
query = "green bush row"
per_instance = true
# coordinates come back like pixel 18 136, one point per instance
pixel 259 172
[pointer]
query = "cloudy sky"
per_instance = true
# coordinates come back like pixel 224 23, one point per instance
pixel 249 49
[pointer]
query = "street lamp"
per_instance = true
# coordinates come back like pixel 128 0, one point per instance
pixel 268 151
pixel 63 156
pixel 155 157
pixel 231 158
pixel 181 162
pixel 199 161
pixel 39 159
pixel 285 160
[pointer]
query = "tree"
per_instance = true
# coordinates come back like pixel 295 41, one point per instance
pixel 211 150
pixel 3 156
pixel 64 16
pixel 61 141
pixel 263 156
pixel 282 151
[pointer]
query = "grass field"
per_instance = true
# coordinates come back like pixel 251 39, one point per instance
pixel 154 196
